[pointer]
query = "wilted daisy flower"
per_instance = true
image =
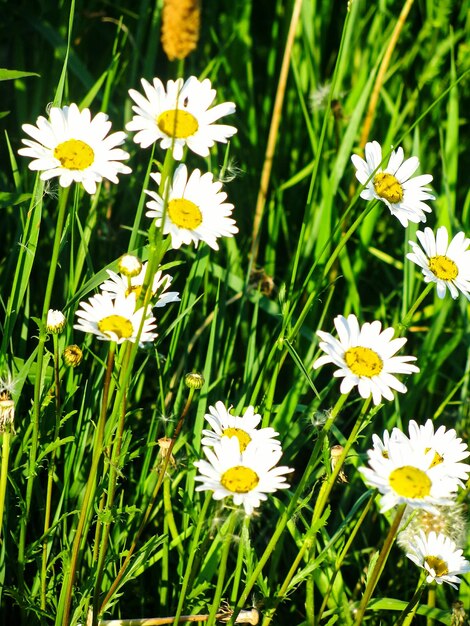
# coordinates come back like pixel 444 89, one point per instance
pixel 443 448
pixel 244 428
pixel 179 116
pixel 449 520
pixel 365 358
pixel 393 185
pixel 403 476
pixel 196 209
pixel 115 319
pixel 439 556
pixel 118 284
pixel 245 476
pixel 75 148
pixel 446 264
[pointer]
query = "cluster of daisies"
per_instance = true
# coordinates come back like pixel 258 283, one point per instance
pixel 446 264
pixel 241 459
pixel 189 208
pixel 76 148
pixel 114 313
pixel 424 471
pixel 365 354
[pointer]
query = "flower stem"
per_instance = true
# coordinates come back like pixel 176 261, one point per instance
pixel 408 613
pixel 318 511
pixel 289 511
pixel 53 264
pixel 4 473
pixel 202 521
pixel 222 568
pixel 69 578
pixel 150 505
pixel 50 473
pixel 379 565
pixel 406 321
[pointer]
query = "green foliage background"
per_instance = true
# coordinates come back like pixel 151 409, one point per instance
pixel 254 346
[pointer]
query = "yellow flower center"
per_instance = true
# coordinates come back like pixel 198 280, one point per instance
pixel 74 154
pixel 363 361
pixel 177 123
pixel 442 267
pixel 239 479
pixel 242 436
pixel 116 324
pixel 184 213
pixel 438 565
pixel 387 186
pixel 410 482
pixel 437 460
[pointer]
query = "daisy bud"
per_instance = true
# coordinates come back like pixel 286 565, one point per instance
pixel 129 265
pixel 72 356
pixel 194 380
pixel 7 412
pixel 180 27
pixel 55 321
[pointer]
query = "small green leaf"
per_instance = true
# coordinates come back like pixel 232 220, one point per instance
pixel 13 74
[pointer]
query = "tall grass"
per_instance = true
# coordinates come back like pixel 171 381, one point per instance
pixel 94 515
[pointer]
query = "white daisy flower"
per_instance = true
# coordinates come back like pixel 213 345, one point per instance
pixel 439 556
pixel 403 476
pixel 244 428
pixel 446 264
pixel 393 185
pixel 443 448
pixel 119 284
pixel 115 319
pixel 196 209
pixel 245 476
pixel 179 116
pixel 75 148
pixel 365 358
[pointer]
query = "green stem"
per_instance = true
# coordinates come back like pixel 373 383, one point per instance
pixel 342 556
pixel 431 603
pixel 50 473
pixel 320 505
pixel 222 568
pixel 53 264
pixel 243 545
pixel 202 521
pixel 112 486
pixel 379 565
pixel 86 509
pixel 408 613
pixel 150 505
pixel 4 473
pixel 289 511
pixel 406 321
